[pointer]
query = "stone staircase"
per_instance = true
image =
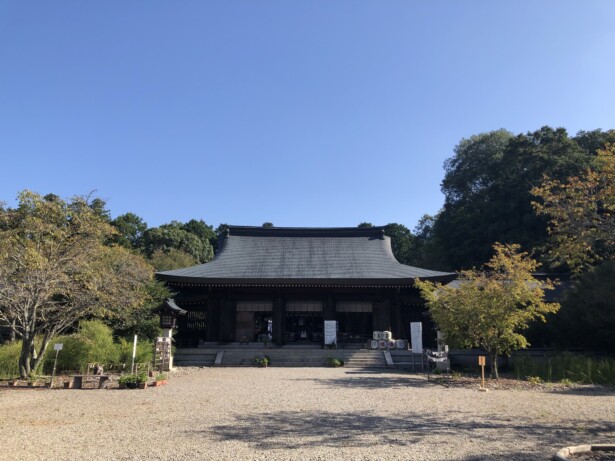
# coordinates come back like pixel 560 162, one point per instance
pixel 280 357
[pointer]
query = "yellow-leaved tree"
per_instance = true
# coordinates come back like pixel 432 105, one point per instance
pixel 582 213
pixel 57 267
pixel 490 308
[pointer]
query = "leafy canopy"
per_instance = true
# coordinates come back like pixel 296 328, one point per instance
pixel 487 188
pixel 56 268
pixel 490 308
pixel 581 210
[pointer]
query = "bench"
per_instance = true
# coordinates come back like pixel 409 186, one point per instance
pixel 100 381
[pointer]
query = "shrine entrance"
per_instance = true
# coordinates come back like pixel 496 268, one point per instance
pixel 254 321
pixel 303 322
pixel 354 321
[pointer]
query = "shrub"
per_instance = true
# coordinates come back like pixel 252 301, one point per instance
pixel 335 362
pixel 128 379
pixel 261 361
pixel 93 343
pixel 9 359
pixel 573 367
pixel 145 351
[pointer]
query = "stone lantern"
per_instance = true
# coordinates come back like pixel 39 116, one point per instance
pixel 168 312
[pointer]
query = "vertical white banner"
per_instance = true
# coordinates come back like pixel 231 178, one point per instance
pixel 416 336
pixel 330 332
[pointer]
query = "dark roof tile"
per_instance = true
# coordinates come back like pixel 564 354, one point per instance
pixel 265 255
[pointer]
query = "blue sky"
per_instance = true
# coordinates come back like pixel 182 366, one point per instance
pixel 312 113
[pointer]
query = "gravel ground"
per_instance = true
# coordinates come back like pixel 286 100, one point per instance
pixel 301 414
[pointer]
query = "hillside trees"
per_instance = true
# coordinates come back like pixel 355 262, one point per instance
pixel 56 268
pixel 130 229
pixel 581 212
pixel 487 188
pixel 190 239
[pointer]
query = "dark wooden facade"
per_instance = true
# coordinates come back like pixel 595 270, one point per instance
pixel 274 283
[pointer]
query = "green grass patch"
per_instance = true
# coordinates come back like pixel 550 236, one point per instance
pixel 567 367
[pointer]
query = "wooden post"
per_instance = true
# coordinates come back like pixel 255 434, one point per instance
pixel 481 362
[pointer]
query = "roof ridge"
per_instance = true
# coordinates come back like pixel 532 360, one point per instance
pixel 257 231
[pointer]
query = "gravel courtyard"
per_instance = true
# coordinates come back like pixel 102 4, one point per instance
pixel 300 414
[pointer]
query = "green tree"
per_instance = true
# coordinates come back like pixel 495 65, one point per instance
pixel 365 224
pixel 56 268
pixel 170 259
pixel 587 317
pixel 490 308
pixel 175 236
pixel 268 224
pixel 130 229
pixel 581 210
pixel 141 320
pixel 202 231
pixel 594 140
pixel 402 242
pixel 487 191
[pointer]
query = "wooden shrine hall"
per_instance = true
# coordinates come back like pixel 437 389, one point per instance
pixel 279 285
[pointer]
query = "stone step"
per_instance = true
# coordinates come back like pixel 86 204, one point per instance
pixel 359 358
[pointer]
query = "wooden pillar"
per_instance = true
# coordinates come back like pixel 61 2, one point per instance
pixel 279 316
pixel 328 309
pixel 395 321
pixel 227 320
pixel 213 319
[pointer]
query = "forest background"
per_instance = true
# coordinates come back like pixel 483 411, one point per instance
pixel 496 187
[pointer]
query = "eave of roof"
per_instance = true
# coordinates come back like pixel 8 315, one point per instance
pixel 304 283
pixel 256 256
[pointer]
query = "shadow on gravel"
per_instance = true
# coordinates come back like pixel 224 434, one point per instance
pixel 376 380
pixel 288 430
pixel 592 391
pixel 514 456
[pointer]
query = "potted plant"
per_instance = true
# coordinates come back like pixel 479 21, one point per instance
pixel 142 380
pixel 128 381
pixel 160 380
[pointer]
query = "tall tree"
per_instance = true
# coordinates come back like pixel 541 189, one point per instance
pixel 581 210
pixel 402 242
pixel 202 230
pixel 487 191
pixel 170 259
pixel 491 307
pixel 175 236
pixel 56 268
pixel 130 229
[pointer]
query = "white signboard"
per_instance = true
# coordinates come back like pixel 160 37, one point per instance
pixel 330 332
pixel 416 336
pixel 58 346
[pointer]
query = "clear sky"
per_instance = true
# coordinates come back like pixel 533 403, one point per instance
pixel 302 113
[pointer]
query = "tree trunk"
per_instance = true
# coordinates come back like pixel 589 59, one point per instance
pixel 13 328
pixel 37 359
pixel 24 357
pixel 493 356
